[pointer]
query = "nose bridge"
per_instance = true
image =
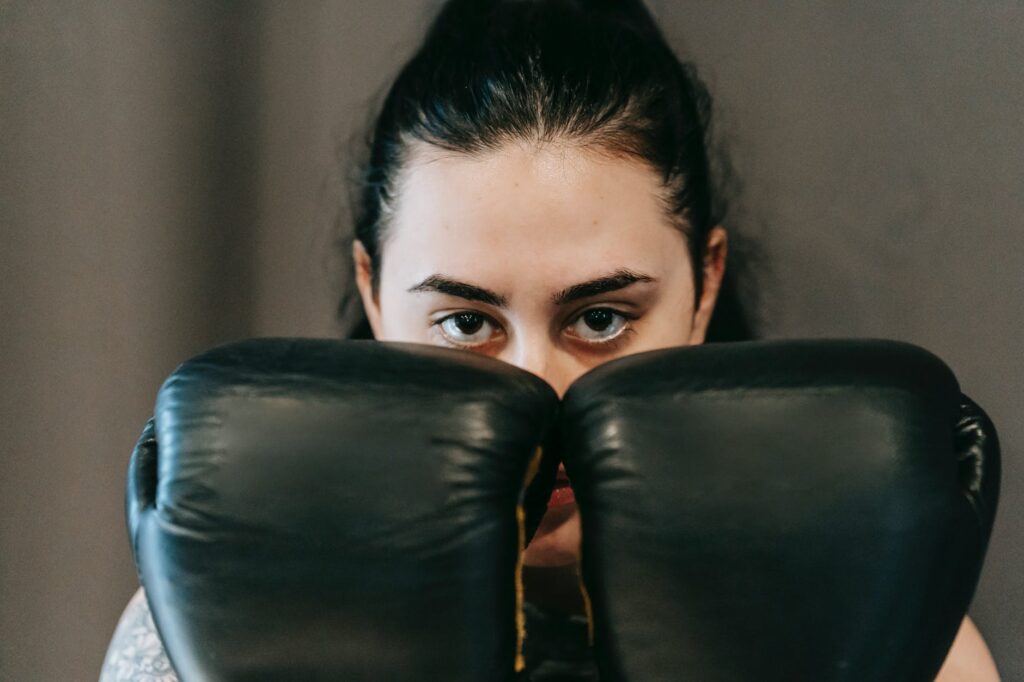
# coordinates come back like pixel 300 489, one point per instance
pixel 538 355
pixel 530 354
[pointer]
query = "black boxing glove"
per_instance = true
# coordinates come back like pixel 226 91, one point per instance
pixel 338 510
pixel 812 510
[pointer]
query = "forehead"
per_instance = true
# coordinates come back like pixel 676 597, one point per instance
pixel 562 214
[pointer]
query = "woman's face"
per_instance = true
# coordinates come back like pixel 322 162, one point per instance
pixel 554 259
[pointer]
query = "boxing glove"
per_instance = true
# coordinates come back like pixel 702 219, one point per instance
pixel 813 510
pixel 338 510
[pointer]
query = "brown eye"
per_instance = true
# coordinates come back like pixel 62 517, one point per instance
pixel 468 323
pixel 598 319
pixel 466 328
pixel 598 325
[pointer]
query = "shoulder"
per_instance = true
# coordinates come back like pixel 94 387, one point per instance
pixel 135 653
pixel 969 659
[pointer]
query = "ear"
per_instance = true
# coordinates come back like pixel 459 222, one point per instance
pixel 363 267
pixel 713 271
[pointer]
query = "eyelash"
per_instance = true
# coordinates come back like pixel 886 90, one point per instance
pixel 610 345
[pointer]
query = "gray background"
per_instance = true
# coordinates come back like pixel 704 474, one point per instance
pixel 168 181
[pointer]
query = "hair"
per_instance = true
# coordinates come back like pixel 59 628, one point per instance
pixel 598 74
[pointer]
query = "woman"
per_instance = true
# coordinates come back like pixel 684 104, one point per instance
pixel 540 188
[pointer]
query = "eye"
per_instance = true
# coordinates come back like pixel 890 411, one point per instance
pixel 598 325
pixel 466 328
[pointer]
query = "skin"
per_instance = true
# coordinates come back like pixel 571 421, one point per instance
pixel 475 257
pixel 486 222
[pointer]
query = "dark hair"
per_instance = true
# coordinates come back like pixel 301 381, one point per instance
pixel 598 73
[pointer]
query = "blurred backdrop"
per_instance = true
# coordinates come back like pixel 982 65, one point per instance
pixel 169 180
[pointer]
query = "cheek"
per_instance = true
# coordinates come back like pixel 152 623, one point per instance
pixel 397 325
pixel 561 369
pixel 400 317
pixel 669 325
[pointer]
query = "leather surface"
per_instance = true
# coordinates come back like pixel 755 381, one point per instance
pixel 779 510
pixel 336 510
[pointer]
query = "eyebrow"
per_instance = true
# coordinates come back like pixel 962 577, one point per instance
pixel 619 279
pixel 452 287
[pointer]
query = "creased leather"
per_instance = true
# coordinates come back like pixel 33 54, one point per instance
pixel 779 510
pixel 336 510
